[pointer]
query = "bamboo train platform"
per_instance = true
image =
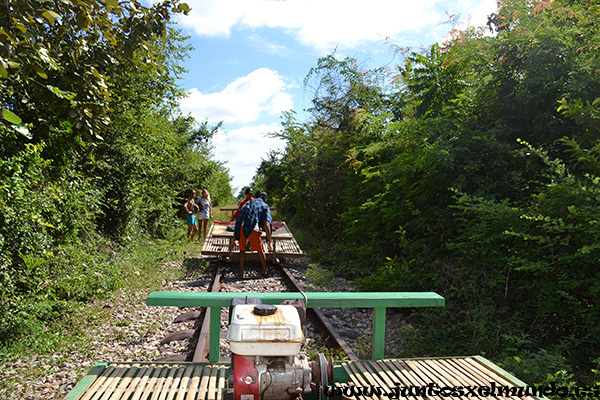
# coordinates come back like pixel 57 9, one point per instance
pixel 153 381
pixel 220 236
pixel 198 381
pixel 428 378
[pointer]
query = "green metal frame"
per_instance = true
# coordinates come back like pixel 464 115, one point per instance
pixel 380 301
pixel 340 373
pixel 86 381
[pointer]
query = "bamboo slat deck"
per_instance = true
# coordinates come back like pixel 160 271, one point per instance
pixel 196 381
pixel 449 374
pixel 284 245
pixel 189 381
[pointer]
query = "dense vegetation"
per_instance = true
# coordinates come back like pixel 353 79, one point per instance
pixel 471 170
pixel 94 154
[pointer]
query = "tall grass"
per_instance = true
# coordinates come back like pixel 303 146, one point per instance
pixel 106 269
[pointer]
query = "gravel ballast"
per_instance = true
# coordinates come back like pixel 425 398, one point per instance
pixel 133 332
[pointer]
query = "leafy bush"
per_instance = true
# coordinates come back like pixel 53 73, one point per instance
pixel 419 182
pixel 553 236
pixel 37 214
pixel 539 368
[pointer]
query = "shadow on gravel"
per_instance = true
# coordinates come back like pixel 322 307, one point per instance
pixel 197 270
pixel 194 264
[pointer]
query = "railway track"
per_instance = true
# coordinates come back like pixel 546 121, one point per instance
pixel 319 331
pixel 269 362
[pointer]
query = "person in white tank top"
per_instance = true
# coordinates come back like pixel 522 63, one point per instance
pixel 205 213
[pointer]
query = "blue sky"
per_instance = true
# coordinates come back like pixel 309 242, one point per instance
pixel 251 57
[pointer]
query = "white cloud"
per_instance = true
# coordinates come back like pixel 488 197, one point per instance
pixel 243 100
pixel 481 12
pixel 266 46
pixel 325 24
pixel 322 24
pixel 214 18
pixel 244 148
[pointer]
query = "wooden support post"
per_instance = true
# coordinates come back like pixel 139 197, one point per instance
pixel 214 352
pixel 378 350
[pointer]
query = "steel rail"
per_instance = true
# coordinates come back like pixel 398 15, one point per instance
pixel 332 337
pixel 201 353
pixel 318 318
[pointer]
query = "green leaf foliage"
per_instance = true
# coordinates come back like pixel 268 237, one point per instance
pixel 11 117
pixel 38 214
pixel 76 47
pixel 471 170
pixel 94 152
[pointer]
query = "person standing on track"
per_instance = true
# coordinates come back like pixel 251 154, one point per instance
pixel 205 213
pixel 254 217
pixel 249 193
pixel 190 209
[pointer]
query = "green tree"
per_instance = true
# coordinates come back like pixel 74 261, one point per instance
pixel 433 81
pixel 270 177
pixel 543 52
pixel 57 61
pixel 420 182
pixel 93 148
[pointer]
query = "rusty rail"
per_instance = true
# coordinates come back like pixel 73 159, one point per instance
pixel 201 353
pixel 318 319
pixel 332 337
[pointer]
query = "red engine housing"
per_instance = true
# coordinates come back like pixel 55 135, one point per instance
pixel 245 378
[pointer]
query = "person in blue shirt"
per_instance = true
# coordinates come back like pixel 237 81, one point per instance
pixel 254 218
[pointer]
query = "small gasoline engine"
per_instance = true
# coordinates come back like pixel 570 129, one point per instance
pixel 267 359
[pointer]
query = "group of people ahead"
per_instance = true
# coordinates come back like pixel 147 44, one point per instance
pixel 198 213
pixel 252 217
